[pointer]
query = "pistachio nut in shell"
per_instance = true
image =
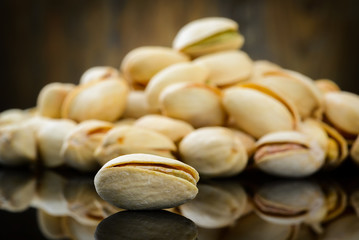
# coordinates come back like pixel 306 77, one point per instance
pixel 342 111
pixel 207 35
pixel 326 85
pixel 257 110
pixel 288 154
pixel 196 103
pixel 50 138
pixel 290 202
pixel 101 100
pixel 217 205
pixel 13 115
pixel 179 72
pixel 142 63
pixel 263 68
pixel 136 105
pixel 145 181
pixel 51 99
pixel 99 73
pixel 226 67
pixel 78 149
pixel 132 139
pixel 174 129
pixel 354 151
pixel 214 151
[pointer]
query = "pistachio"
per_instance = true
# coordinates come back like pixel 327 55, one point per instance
pixel 326 85
pixel 13 115
pixel 214 151
pixel 290 202
pixel 354 150
pixel 207 35
pixel 141 64
pixel 341 110
pixel 336 200
pixel 174 129
pixel 257 110
pixel 80 144
pixel 102 100
pixel 50 138
pixel 289 154
pixel 218 204
pixel 51 99
pixel 132 139
pixel 196 103
pixel 159 225
pixel 226 68
pixel 263 68
pixel 99 73
pixel 136 105
pixel 179 72
pixel 145 181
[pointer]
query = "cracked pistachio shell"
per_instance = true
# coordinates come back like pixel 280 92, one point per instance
pixel 345 227
pixel 101 100
pixel 142 63
pixel 50 138
pixel 214 151
pixel 298 89
pixel 354 151
pixel 174 129
pixel 227 67
pixel 252 227
pixel 207 35
pixel 288 154
pixel 290 202
pixel 217 205
pixel 17 189
pixel 159 225
pixel 258 110
pixel 196 103
pixel 80 144
pixel 145 181
pixel 99 73
pixel 13 115
pixel 179 72
pixel 326 85
pixel 132 139
pixel 51 99
pixel 342 110
pixel 136 105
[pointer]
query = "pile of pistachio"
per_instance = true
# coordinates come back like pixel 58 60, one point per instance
pixel 202 101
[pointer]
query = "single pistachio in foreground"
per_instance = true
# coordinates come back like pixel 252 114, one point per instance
pixel 145 181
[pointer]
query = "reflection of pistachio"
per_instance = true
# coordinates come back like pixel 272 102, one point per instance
pixel 161 225
pixel 354 201
pixel 208 35
pixel 345 227
pixel 289 154
pixel 17 189
pixel 354 151
pixel 51 227
pixel 218 204
pixel 77 230
pixel 336 200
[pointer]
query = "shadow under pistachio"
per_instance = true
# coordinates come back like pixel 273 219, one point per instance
pixel 157 225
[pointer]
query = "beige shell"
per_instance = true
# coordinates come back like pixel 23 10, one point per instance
pixel 51 99
pixel 298 89
pixel 289 154
pixel 80 144
pixel 290 202
pixel 198 104
pixel 145 181
pixel 326 85
pixel 136 105
pixel 226 67
pixel 354 150
pixel 214 151
pixel 13 115
pixel 179 72
pixel 342 110
pixel 217 205
pixel 99 73
pixel 207 35
pixel 101 100
pixel 263 68
pixel 313 129
pixel 142 63
pixel 50 138
pixel 133 139
pixel 258 110
pixel 174 129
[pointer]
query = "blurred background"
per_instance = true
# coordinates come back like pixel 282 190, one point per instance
pixel 56 41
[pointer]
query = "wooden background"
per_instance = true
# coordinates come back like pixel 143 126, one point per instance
pixel 56 41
